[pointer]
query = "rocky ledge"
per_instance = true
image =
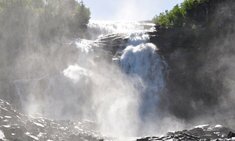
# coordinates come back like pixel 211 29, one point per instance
pixel 198 133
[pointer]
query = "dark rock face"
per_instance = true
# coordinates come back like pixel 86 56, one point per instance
pixel 231 134
pixel 198 133
pixel 113 42
pixel 200 60
pixel 15 126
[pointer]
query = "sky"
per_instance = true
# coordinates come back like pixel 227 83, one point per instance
pixel 128 10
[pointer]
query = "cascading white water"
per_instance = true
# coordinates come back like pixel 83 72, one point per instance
pixel 125 96
pixel 141 61
pixel 100 28
pixel 120 97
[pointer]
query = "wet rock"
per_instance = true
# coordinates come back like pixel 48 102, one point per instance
pixel 231 134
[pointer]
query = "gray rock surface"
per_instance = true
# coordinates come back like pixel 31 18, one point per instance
pixel 198 133
pixel 15 126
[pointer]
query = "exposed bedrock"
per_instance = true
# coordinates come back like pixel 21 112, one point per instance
pixel 200 58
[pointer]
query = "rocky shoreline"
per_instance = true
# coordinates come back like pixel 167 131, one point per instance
pixel 15 126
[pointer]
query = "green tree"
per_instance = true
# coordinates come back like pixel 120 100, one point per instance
pixel 177 17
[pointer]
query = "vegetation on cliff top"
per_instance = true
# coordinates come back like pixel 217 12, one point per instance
pixel 180 15
pixel 51 18
pixel 196 39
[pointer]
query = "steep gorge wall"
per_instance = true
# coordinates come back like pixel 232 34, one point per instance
pixel 200 58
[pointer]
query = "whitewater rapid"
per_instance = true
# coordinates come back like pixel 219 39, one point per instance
pixel 125 93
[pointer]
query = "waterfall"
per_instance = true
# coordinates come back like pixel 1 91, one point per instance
pixel 119 91
pixel 142 61
pixel 126 94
